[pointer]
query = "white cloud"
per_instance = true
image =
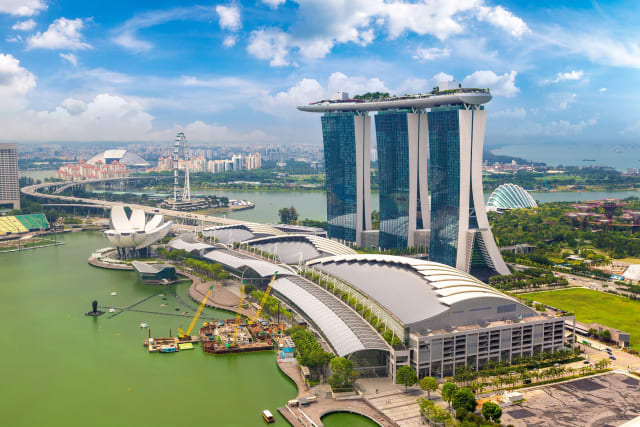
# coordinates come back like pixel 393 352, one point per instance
pixel 229 17
pixel 515 113
pixel 270 44
pixel 74 106
pixel 62 34
pixel 273 4
pixel 201 132
pixel 70 57
pixel 130 42
pixel 309 90
pixel 27 25
pixel 22 7
pixel 419 85
pixel 126 35
pixel 567 100
pixel 13 39
pixel 503 85
pixel 15 82
pixel 571 75
pixel 564 127
pixel 229 41
pixel 502 18
pixel 322 24
pixel 599 47
pixel 603 89
pixel 430 53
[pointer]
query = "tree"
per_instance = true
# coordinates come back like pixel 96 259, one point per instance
pixel 342 373
pixel 406 376
pixel 288 215
pixel 464 398
pixel 448 390
pixel 606 335
pixel 491 411
pixel 429 384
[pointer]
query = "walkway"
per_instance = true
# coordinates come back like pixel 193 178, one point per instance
pixel 312 415
pixel 392 400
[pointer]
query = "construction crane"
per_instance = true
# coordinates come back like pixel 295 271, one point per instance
pixel 182 334
pixel 238 317
pixel 264 298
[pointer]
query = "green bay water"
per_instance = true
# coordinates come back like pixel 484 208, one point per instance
pixel 61 368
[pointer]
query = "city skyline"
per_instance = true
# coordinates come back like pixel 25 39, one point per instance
pixel 231 72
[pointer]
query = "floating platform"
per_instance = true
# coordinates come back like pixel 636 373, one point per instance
pixel 170 345
pixel 217 337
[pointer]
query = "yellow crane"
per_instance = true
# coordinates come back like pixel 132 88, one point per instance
pixel 264 298
pixel 187 334
pixel 238 317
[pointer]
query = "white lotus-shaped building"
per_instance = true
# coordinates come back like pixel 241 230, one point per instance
pixel 135 232
pixel 510 196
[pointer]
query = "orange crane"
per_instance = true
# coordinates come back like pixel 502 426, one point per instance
pixel 182 334
pixel 238 317
pixel 264 298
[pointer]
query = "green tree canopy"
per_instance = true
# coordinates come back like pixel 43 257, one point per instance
pixel 342 373
pixel 448 390
pixel 491 411
pixel 406 376
pixel 464 398
pixel 429 384
pixel 288 215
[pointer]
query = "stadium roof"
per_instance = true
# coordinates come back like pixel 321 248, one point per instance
pixel 345 330
pixel 124 157
pixel 413 290
pixel 293 248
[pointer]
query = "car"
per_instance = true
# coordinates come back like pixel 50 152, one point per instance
pixel 612 357
pixel 586 362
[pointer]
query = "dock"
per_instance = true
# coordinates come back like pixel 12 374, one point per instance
pixel 170 345
pixel 218 337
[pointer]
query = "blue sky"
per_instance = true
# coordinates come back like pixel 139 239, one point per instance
pixel 233 72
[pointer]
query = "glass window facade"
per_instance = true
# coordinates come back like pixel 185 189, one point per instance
pixel 444 182
pixel 338 136
pixel 392 136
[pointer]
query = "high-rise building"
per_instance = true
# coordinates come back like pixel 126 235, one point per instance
pixel 347 147
pixel 460 233
pixel 429 142
pixel 402 139
pixel 9 186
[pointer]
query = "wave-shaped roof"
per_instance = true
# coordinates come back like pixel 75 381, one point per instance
pixel 511 196
pixel 293 248
pixel 413 290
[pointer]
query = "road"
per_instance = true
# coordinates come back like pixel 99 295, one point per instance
pixel 33 191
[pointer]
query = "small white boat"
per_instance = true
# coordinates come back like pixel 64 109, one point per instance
pixel 112 310
pixel 144 325
pixel 113 294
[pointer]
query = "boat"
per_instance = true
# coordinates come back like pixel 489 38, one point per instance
pixel 113 294
pixel 112 310
pixel 144 325
pixel 268 416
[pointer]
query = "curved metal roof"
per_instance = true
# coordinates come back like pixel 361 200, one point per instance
pixel 261 268
pixel 242 232
pixel 511 196
pixel 343 328
pixel 291 248
pixel 411 289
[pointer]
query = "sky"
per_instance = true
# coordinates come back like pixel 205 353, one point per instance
pixel 233 72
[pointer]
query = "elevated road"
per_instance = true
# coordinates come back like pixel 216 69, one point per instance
pixel 33 191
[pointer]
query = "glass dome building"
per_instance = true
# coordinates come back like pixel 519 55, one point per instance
pixel 510 196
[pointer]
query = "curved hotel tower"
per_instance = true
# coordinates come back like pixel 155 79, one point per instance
pixel 427 145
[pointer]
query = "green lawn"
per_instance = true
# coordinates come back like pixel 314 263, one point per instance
pixel 593 306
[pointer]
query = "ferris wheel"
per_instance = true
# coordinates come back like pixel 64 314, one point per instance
pixel 181 143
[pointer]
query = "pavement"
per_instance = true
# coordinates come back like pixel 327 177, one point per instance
pixel 605 400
